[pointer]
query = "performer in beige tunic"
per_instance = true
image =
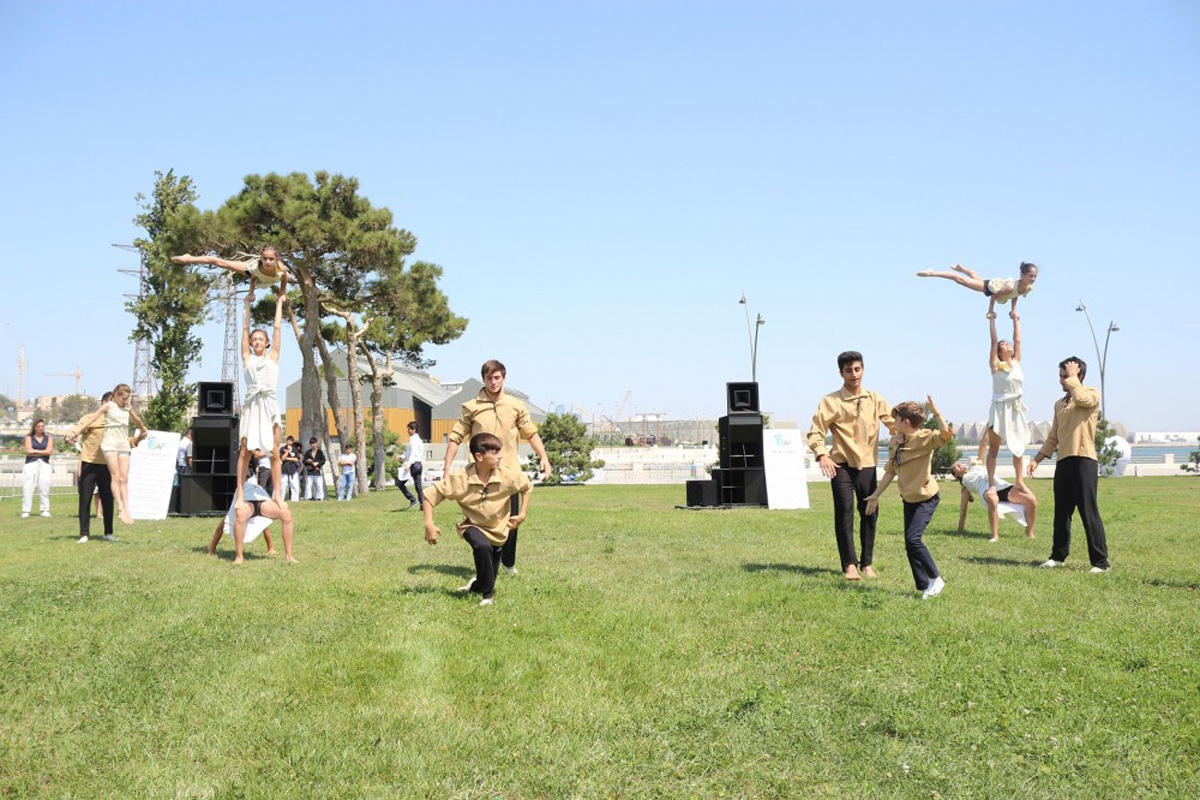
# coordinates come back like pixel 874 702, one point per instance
pixel 267 268
pixel 1000 290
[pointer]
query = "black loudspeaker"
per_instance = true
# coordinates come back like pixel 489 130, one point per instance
pixel 742 487
pixel 214 445
pixel 216 397
pixel 741 398
pixel 702 493
pixel 206 495
pixel 740 441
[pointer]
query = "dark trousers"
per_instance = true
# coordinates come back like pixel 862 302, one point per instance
pixel 508 554
pixel 848 484
pixel 95 476
pixel 415 472
pixel 916 520
pixel 1076 481
pixel 487 561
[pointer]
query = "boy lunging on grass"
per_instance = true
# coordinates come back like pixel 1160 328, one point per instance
pixel 910 456
pixel 483 491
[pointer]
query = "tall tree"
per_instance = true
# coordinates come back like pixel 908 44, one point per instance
pixel 331 239
pixel 409 311
pixel 174 300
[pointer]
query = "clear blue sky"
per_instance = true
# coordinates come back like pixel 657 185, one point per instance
pixel 601 181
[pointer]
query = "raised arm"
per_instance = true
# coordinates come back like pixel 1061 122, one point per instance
pixel 277 340
pixel 937 417
pixel 994 351
pixel 249 301
pixel 1016 318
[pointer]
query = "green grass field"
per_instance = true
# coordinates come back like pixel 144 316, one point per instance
pixel 642 651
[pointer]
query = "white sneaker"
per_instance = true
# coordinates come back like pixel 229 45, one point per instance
pixel 108 537
pixel 82 540
pixel 487 601
pixel 1051 563
pixel 45 513
pixel 24 515
pixel 1098 570
pixel 509 570
pixel 466 588
pixel 934 588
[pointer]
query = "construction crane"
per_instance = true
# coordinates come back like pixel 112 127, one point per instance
pixel 621 408
pixel 77 375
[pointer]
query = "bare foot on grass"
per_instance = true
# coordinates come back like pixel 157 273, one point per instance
pixel 272 552
pixel 869 572
pixel 239 560
pixel 852 573
pixel 291 560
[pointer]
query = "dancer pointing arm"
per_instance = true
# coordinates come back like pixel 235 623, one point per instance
pixel 267 267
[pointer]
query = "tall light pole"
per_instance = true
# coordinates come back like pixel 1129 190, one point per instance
pixel 752 335
pixel 1101 357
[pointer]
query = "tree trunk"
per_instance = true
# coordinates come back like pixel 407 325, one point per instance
pixel 360 438
pixel 331 395
pixel 312 418
pixel 378 376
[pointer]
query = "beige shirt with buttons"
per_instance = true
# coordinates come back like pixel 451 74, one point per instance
pixel 485 507
pixel 505 418
pixel 1073 432
pixel 853 418
pixel 910 462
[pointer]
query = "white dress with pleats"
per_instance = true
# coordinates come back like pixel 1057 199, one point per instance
pixel 260 408
pixel 1008 417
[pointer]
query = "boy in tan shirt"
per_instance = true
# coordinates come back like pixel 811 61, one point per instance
pixel 484 491
pixel 910 456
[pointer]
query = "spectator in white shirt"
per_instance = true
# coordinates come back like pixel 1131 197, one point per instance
pixel 411 466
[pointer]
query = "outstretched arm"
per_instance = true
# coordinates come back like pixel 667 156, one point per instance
pixel 277 341
pixel 233 266
pixel 1016 318
pixel 89 419
pixel 993 354
pixel 249 301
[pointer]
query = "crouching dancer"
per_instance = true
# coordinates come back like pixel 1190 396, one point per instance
pixel 910 456
pixel 245 520
pixel 483 491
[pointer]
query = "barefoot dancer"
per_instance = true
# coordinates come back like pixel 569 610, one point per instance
pixel 1000 500
pixel 1000 290
pixel 243 523
pixel 1008 422
pixel 267 267
pixel 116 414
pixel 259 428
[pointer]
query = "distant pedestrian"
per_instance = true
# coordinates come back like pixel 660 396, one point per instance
pixel 314 464
pixel 412 465
pixel 347 461
pixel 291 455
pixel 39 446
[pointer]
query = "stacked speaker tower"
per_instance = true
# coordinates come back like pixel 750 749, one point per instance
pixel 741 478
pixel 210 487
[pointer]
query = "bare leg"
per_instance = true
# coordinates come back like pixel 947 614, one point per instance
pixel 974 284
pixel 270 544
pixel 970 273
pixel 284 515
pixel 993 512
pixel 212 546
pixel 242 465
pixel 239 532
pixel 993 451
pixel 114 474
pixel 276 470
pixel 126 517
pixel 1023 496
pixel 1018 462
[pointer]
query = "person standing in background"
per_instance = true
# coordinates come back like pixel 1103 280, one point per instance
pixel 39 446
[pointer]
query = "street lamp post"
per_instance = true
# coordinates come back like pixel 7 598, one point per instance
pixel 752 335
pixel 1101 357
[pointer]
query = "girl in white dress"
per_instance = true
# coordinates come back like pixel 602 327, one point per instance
pixel 267 267
pixel 260 422
pixel 1008 422
pixel 1000 290
pixel 115 444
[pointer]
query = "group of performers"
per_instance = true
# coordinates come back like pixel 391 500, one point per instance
pixel 494 493
pixel 853 415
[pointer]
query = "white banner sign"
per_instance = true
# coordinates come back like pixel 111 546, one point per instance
pixel 784 454
pixel 151 474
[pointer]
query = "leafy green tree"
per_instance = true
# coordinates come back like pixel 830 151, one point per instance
pixel 73 407
pixel 569 448
pixel 175 298
pixel 1106 454
pixel 7 403
pixel 406 310
pixel 333 241
pixel 945 456
pixel 1193 464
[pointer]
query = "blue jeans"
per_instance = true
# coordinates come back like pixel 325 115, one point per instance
pixel 346 485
